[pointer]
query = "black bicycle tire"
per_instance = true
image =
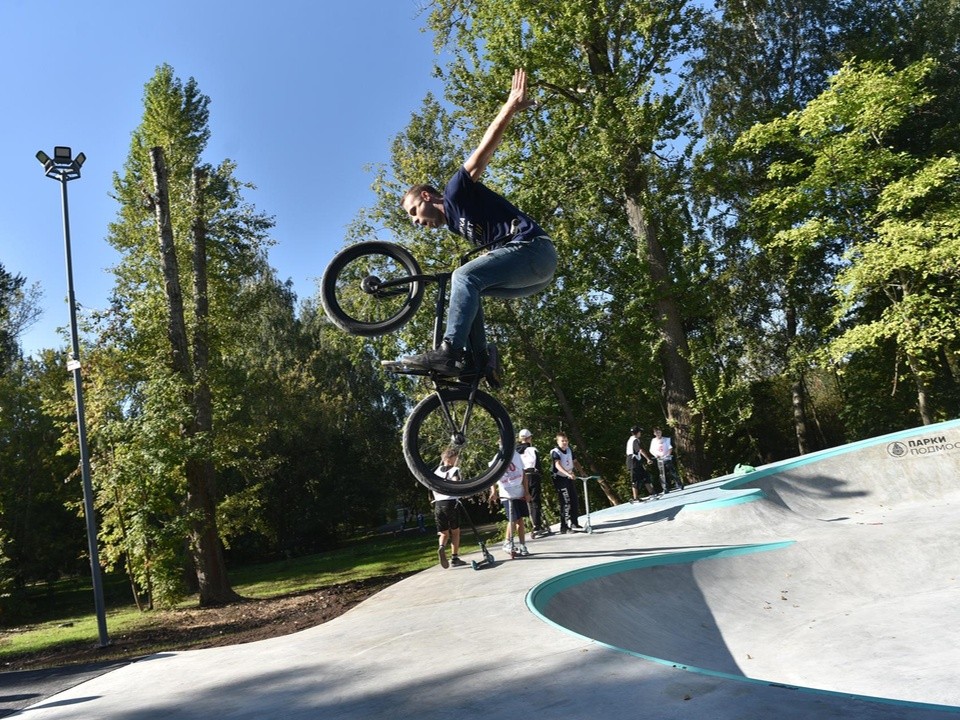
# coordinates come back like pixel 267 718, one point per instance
pixel 423 466
pixel 330 282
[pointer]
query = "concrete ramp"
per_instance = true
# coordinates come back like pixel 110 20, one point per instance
pixel 854 590
pixel 825 587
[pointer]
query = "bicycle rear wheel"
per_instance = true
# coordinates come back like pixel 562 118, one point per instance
pixel 481 430
pixel 365 289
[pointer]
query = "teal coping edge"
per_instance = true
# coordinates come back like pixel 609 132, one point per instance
pixel 777 467
pixel 541 594
pixel 736 497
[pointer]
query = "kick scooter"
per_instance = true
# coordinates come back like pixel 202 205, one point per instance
pixel 587 528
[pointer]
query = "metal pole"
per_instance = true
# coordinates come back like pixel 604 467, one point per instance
pixel 74 366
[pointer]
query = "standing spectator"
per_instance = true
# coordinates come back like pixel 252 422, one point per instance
pixel 562 469
pixel 445 510
pixel 662 449
pixel 635 459
pixel 511 490
pixel 531 471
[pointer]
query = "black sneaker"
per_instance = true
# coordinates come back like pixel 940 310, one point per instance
pixel 444 360
pixel 456 561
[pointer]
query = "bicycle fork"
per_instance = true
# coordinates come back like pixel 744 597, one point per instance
pixel 458 435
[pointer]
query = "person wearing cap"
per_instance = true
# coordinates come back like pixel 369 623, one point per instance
pixel 531 471
pixel 638 473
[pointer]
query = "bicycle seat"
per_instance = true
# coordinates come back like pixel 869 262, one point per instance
pixel 493 371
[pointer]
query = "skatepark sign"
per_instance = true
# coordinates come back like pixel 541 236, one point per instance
pixel 922 446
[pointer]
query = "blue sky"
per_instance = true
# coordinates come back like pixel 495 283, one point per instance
pixel 304 95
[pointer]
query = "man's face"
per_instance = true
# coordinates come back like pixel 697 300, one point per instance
pixel 423 210
pixel 562 442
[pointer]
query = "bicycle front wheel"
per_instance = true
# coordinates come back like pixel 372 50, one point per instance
pixel 480 429
pixel 366 290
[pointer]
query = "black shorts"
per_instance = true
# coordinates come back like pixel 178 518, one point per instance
pixel 639 475
pixel 447 515
pixel 518 508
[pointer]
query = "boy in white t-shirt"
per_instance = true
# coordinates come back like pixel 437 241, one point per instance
pixel 512 491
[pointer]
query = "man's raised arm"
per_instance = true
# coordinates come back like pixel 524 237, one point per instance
pixel 518 100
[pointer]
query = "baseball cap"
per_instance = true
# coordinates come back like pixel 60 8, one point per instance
pixel 635 429
pixel 525 433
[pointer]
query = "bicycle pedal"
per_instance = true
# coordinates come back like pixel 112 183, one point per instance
pixel 396 366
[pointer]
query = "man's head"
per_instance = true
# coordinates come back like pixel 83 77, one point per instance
pixel 657 431
pixel 424 206
pixel 562 440
pixel 636 430
pixel 525 435
pixel 450 456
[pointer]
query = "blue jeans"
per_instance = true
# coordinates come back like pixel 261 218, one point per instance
pixel 517 269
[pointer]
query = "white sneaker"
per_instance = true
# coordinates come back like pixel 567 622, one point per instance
pixel 508 548
pixel 523 549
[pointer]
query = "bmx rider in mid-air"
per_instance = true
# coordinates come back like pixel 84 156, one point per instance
pixel 521 259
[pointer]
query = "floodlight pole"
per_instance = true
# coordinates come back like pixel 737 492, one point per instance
pixel 64 168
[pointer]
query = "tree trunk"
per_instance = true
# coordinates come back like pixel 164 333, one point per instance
pixel 924 406
pixel 798 401
pixel 798 390
pixel 176 327
pixel 679 392
pixel 205 546
pixel 212 576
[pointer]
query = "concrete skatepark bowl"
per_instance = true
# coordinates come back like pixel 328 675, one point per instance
pixel 820 587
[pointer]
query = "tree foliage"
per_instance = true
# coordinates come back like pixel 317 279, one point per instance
pixel 887 216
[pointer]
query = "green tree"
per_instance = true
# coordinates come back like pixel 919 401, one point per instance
pixel 757 62
pixel 41 525
pixel 599 163
pixel 845 184
pixel 163 418
pixel 19 309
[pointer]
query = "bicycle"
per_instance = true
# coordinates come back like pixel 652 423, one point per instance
pixel 376 287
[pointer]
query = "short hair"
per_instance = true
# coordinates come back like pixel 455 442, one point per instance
pixel 562 434
pixel 449 454
pixel 417 189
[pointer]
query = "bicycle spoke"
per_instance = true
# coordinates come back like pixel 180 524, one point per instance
pixel 373 306
pixel 477 429
pixel 371 288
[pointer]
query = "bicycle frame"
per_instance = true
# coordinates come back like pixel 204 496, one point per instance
pixel 442 280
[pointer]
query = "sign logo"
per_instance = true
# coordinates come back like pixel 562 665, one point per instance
pixel 897 449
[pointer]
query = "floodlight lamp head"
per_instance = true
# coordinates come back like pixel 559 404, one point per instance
pixel 62 155
pixel 80 160
pixel 43 157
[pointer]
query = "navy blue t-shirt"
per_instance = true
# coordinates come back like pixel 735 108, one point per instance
pixel 483 217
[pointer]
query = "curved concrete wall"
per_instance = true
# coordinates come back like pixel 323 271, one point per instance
pixel 854 590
